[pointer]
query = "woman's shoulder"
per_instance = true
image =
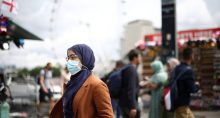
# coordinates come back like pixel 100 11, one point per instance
pixel 95 80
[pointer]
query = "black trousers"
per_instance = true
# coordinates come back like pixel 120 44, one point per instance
pixel 125 112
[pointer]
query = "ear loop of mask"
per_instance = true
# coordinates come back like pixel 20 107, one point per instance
pixel 84 67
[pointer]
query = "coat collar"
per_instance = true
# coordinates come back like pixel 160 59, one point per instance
pixel 80 94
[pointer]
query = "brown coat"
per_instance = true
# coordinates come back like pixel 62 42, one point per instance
pixel 91 101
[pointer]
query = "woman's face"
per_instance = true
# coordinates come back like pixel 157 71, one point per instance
pixel 72 56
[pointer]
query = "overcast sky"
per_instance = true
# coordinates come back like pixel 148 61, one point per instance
pixel 98 23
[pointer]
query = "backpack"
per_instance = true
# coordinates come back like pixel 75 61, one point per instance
pixel 114 82
pixel 170 94
pixel 38 80
pixel 38 77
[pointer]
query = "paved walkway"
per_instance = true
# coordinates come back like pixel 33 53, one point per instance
pixel 30 110
pixel 198 114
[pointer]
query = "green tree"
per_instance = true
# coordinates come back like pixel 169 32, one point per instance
pixel 35 71
pixel 56 72
pixel 23 72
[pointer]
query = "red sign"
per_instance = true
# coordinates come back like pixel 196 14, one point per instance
pixel 196 34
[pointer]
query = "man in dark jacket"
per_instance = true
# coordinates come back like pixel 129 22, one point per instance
pixel 118 65
pixel 186 85
pixel 128 99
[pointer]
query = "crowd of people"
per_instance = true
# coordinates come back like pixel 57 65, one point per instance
pixel 84 95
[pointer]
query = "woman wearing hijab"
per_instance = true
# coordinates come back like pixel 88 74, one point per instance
pixel 155 84
pixel 85 95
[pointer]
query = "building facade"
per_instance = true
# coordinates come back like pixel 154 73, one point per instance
pixel 134 32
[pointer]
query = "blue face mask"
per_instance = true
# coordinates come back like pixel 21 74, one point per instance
pixel 73 66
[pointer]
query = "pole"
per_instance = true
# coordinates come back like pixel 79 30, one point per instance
pixel 169 43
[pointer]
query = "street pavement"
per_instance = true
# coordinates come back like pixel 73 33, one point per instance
pixel 198 114
pixel 31 112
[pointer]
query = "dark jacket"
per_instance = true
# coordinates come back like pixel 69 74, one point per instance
pixel 130 88
pixel 185 84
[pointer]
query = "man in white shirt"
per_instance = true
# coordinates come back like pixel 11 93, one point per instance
pixel 45 85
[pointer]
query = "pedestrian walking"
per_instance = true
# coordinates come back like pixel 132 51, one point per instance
pixel 116 109
pixel 185 84
pixel 118 65
pixel 128 100
pixel 85 96
pixel 45 88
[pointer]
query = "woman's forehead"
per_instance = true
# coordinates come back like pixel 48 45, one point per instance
pixel 70 52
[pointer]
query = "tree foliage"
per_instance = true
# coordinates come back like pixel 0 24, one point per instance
pixel 36 71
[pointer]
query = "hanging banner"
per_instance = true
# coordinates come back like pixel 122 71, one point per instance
pixel 194 34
